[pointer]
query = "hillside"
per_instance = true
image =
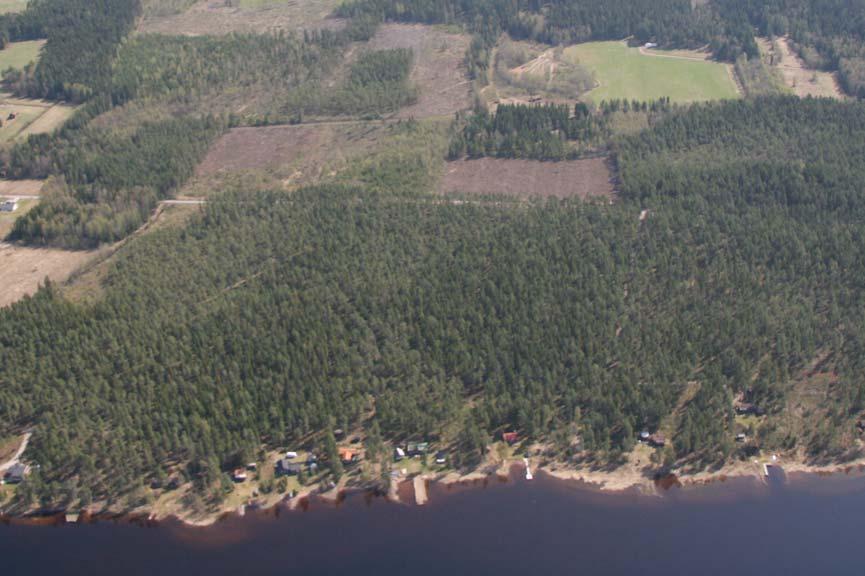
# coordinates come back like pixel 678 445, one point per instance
pixel 326 239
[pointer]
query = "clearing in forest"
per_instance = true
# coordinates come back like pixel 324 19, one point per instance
pixel 798 77
pixel 527 178
pixel 19 54
pixel 290 155
pixel 21 117
pixel 439 67
pixel 528 73
pixel 25 268
pixel 7 6
pixel 245 16
pixel 623 72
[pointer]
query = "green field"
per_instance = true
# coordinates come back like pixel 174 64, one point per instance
pixel 20 54
pixel 623 72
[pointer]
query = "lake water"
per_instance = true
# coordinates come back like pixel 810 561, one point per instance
pixel 814 527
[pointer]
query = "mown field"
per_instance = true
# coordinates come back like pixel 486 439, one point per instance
pixel 623 72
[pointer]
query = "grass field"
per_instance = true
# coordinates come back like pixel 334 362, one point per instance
pixel 20 54
pixel 31 117
pixel 625 72
pixel 7 6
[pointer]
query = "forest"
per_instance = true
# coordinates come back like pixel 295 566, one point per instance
pixel 543 132
pixel 270 317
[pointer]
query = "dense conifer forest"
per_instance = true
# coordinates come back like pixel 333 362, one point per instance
pixel 268 318
pixel 728 263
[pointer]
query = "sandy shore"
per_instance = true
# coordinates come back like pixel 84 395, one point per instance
pixel 631 476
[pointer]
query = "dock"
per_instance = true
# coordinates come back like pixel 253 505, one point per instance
pixel 420 495
pixel 766 470
pixel 528 470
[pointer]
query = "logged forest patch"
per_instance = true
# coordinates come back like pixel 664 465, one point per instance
pixel 25 268
pixel 208 17
pixel 439 67
pixel 803 81
pixel 287 155
pixel 527 178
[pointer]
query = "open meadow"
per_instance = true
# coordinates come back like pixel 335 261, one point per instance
pixel 22 117
pixel 7 6
pixel 20 54
pixel 623 72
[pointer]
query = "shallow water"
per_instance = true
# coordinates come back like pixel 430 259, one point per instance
pixel 810 526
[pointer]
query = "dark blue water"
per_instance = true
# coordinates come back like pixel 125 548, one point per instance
pixel 812 527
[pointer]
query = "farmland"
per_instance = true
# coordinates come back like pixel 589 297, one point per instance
pixel 623 72
pixel 22 117
pixel 528 178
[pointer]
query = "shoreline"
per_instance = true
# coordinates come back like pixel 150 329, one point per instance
pixel 613 482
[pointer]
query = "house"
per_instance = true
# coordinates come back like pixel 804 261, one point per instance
pixel 291 455
pixel 644 436
pixel 657 440
pixel 398 454
pixel 239 475
pixel 286 467
pixel 441 458
pixel 16 474
pixel 422 447
pixel 348 456
pixel 9 205
pixel 252 466
pixel 650 45
pixel 510 437
pixel 740 437
pixel 744 408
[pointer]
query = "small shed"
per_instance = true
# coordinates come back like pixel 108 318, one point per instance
pixel 657 440
pixel 16 473
pixel 347 455
pixel 398 453
pixel 510 437
pixel 286 467
pixel 239 475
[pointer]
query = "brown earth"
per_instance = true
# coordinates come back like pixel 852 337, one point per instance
pixel 290 155
pixel 25 268
pixel 439 69
pixel 526 178
pixel 801 79
pixel 214 17
pixel 13 188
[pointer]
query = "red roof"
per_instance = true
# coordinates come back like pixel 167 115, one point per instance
pixel 510 437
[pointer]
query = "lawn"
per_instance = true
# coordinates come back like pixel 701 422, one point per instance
pixel 20 54
pixel 625 73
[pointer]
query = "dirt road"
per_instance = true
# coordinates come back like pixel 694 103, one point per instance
pixel 17 457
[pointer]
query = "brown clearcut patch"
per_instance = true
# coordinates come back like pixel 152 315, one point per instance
pixel 214 17
pixel 25 268
pixel 525 178
pixel 439 67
